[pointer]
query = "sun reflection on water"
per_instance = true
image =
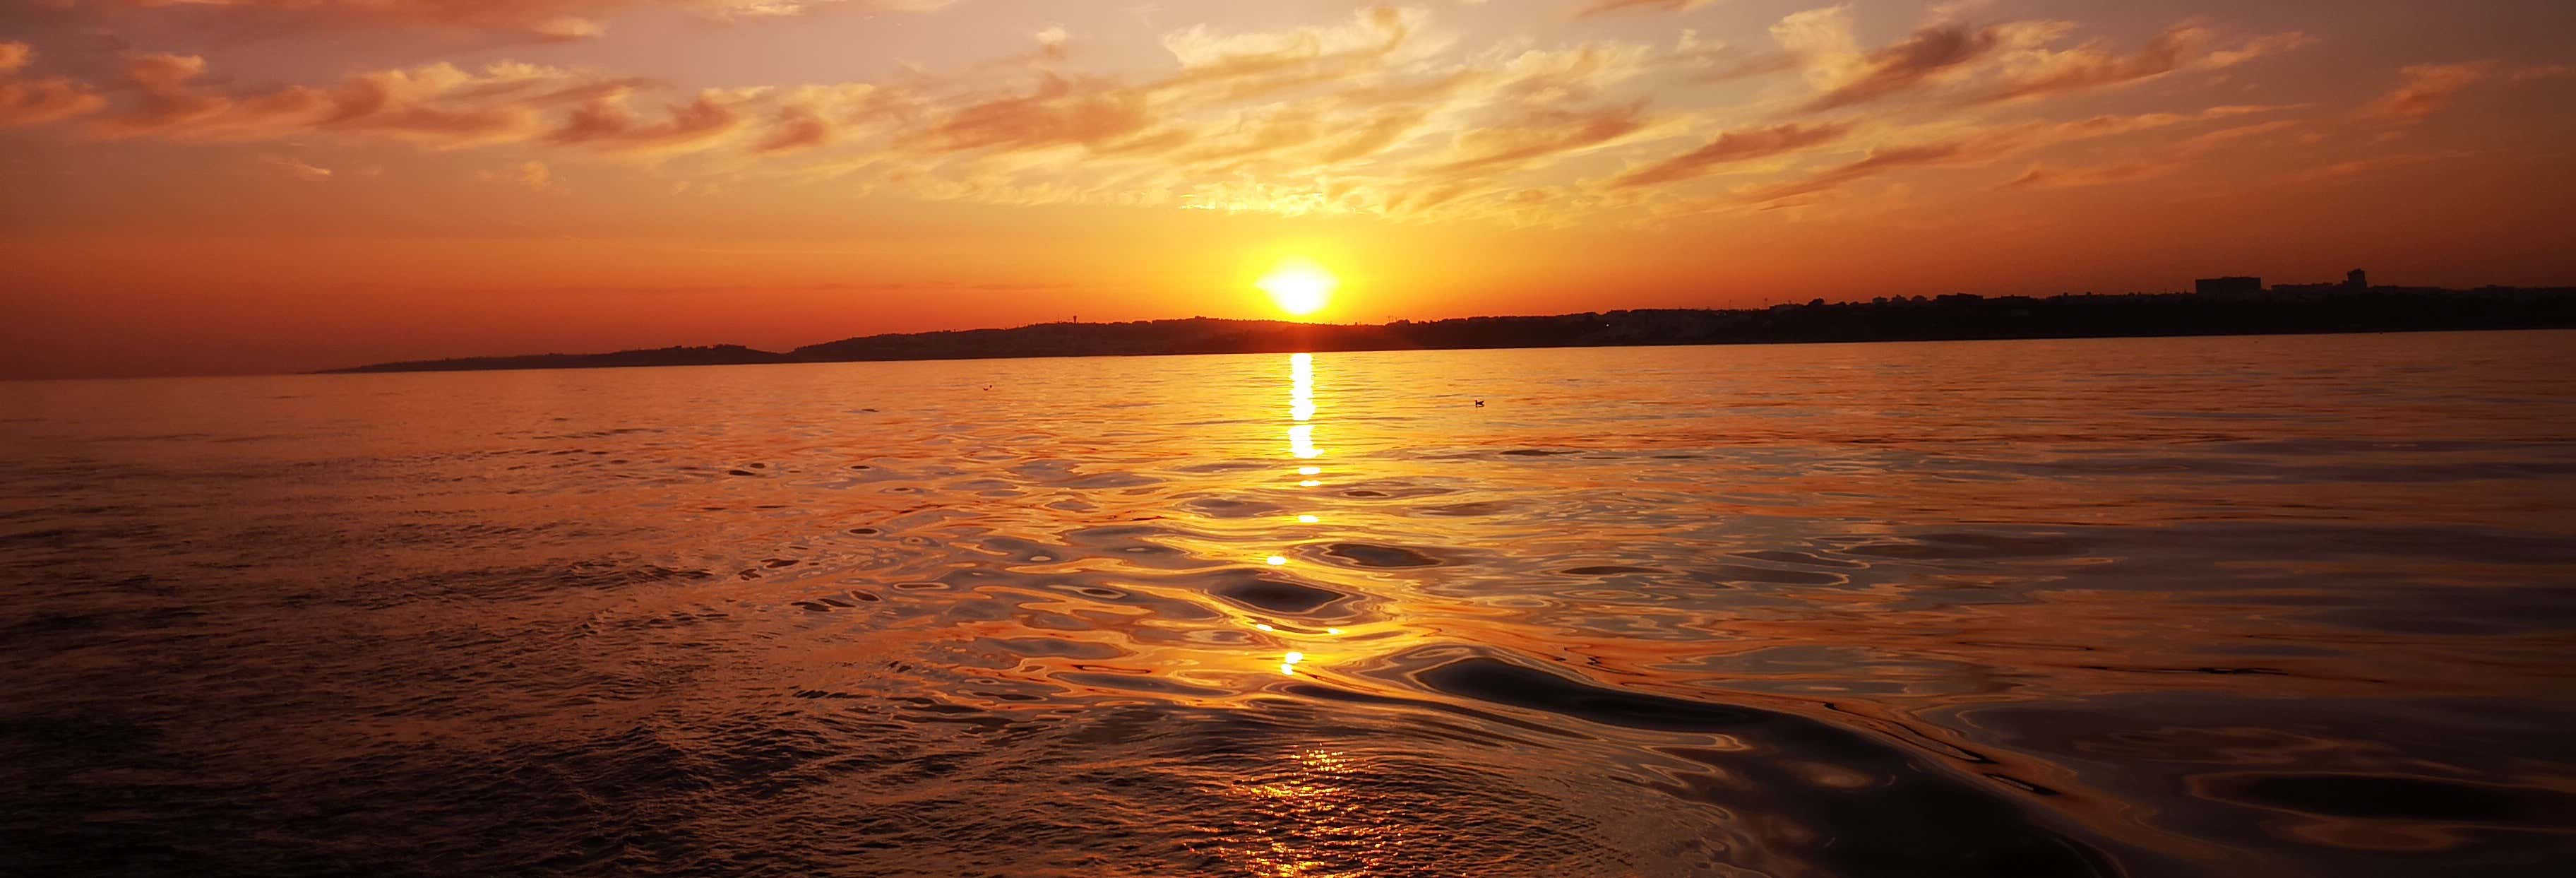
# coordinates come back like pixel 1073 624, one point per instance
pixel 1301 447
pixel 1323 819
pixel 1301 442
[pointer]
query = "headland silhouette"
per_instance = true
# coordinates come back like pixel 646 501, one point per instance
pixel 2228 306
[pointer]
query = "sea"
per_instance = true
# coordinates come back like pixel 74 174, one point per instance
pixel 2276 606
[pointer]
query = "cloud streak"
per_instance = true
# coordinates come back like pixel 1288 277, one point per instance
pixel 531 20
pixel 1377 112
pixel 2427 89
pixel 39 101
pixel 1731 148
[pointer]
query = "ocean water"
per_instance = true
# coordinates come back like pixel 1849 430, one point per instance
pixel 2251 606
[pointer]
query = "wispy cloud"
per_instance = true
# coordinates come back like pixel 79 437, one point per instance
pixel 2042 72
pixel 537 20
pixel 1601 7
pixel 2427 89
pixel 38 101
pixel 1378 111
pixel 1731 148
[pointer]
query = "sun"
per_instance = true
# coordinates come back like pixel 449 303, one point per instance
pixel 1300 286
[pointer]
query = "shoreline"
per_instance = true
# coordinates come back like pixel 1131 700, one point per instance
pixel 1949 318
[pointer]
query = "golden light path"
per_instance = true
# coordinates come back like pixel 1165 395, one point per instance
pixel 1301 440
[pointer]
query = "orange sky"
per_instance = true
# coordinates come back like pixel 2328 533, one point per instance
pixel 208 186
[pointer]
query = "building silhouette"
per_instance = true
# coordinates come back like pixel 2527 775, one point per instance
pixel 2228 286
pixel 2354 281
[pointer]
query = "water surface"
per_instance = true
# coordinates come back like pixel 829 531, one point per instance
pixel 2259 606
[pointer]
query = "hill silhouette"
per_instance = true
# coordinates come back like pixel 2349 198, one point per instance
pixel 1950 317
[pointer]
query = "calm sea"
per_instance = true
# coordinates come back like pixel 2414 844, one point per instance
pixel 2252 606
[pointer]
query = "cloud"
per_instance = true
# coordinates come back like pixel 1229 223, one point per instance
pixel 1058 112
pixel 1731 148
pixel 2359 167
pixel 1251 64
pixel 436 104
pixel 1539 136
pixel 537 20
pixel 2224 137
pixel 39 101
pixel 2010 61
pixel 1907 64
pixel 2042 177
pixel 1875 163
pixel 1598 7
pixel 2427 89
pixel 1985 146
pixel 1375 112
pixel 2040 72
pixel 606 123
pixel 532 174
pixel 300 170
pixel 797 127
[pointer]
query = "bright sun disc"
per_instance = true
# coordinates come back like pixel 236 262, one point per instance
pixel 1300 286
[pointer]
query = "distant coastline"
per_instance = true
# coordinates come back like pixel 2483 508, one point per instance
pixel 1955 317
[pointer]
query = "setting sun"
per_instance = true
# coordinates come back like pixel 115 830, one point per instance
pixel 1299 286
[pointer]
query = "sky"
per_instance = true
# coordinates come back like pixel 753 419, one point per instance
pixel 243 186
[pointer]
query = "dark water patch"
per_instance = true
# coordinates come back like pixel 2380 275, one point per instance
pixel 1500 682
pixel 74 737
pixel 675 619
pixel 2394 797
pixel 2469 545
pixel 1472 509
pixel 1798 783
pixel 1023 551
pixel 1229 466
pixel 1054 647
pixel 1138 683
pixel 2273 650
pixel 1280 597
pixel 2546 606
pixel 1393 490
pixel 1097 592
pixel 1963 546
pixel 1780 556
pixel 1219 507
pixel 2212 670
pixel 1381 557
pixel 1336 693
pixel 1133 544
pixel 1606 570
pixel 1107 481
pixel 1536 452
pixel 1739 573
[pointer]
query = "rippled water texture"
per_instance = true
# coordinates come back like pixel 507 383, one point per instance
pixel 2261 606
